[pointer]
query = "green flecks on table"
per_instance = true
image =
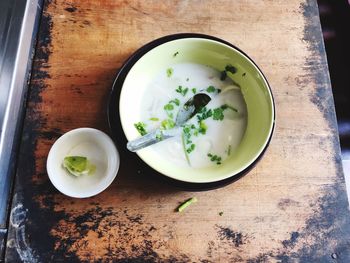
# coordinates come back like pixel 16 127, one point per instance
pixel 185 204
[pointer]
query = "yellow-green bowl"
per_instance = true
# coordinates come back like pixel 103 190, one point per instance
pixel 154 57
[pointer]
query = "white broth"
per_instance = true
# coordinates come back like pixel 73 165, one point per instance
pixel 212 135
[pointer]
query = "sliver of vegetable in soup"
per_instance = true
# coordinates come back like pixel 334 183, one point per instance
pixel 214 133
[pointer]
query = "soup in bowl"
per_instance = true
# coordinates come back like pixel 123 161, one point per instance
pixel 225 137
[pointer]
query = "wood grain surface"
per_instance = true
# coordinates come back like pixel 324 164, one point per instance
pixel 292 207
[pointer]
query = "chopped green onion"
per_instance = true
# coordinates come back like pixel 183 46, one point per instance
pixel 175 101
pixel 167 124
pixel 140 127
pixel 214 158
pixel 211 89
pixel 204 114
pixel 169 72
pixel 181 90
pixel 78 165
pixel 185 204
pixel 191 148
pixel 218 114
pixel 202 127
pixel 159 136
pixel 168 107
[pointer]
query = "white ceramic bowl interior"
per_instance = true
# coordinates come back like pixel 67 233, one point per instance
pixel 100 151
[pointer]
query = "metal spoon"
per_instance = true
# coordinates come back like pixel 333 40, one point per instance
pixel 189 109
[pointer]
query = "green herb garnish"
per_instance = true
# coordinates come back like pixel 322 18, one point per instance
pixel 78 165
pixel 187 79
pixel 168 107
pixel 159 136
pixel 204 114
pixel 167 124
pixel 154 119
pixel 169 72
pixel 140 127
pixel 194 90
pixel 191 148
pixel 218 114
pixel 185 204
pixel 175 101
pixel 176 53
pixel 187 133
pixel 181 90
pixel 202 127
pixel 214 158
pixel 211 89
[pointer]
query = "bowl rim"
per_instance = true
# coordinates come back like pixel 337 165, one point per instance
pixel 114 118
pixel 111 175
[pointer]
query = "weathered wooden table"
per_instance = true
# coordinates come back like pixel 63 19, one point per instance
pixel 292 207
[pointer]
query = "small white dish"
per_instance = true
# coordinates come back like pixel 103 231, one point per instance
pixel 100 151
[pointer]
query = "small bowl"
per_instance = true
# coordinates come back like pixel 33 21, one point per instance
pixel 141 68
pixel 98 148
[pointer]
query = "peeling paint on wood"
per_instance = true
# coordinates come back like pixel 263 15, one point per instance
pixel 292 207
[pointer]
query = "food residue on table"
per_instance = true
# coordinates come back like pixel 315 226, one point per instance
pixel 185 204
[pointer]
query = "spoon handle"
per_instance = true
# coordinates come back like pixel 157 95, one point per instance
pixel 152 138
